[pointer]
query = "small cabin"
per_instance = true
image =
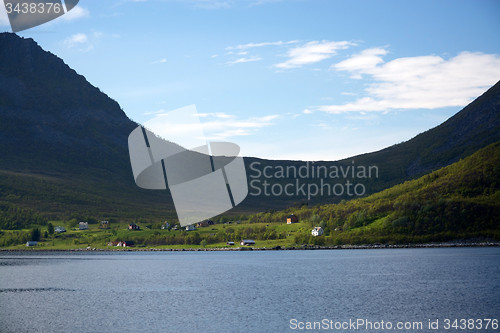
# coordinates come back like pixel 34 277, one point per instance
pixel 83 225
pixel 202 224
pixel 230 243
pixel 190 227
pixel 247 242
pixel 165 225
pixel 105 224
pixel 126 243
pixel 318 231
pixel 133 226
pixel 59 229
pixel 113 243
pixel 292 219
pixel 31 243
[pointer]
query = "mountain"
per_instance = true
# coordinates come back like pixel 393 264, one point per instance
pixel 52 119
pixel 63 142
pixel 64 151
pixel 474 127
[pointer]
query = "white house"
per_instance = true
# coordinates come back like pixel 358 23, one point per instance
pixel 190 227
pixel 31 243
pixel 318 231
pixel 60 229
pixel 84 225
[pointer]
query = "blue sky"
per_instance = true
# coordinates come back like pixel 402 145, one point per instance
pixel 302 80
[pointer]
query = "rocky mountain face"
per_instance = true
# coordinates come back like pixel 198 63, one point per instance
pixel 474 127
pixel 53 119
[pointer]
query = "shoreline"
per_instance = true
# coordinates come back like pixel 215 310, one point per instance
pixel 275 248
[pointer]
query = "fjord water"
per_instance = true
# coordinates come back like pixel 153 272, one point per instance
pixel 259 291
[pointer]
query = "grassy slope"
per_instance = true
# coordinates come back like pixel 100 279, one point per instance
pixel 461 200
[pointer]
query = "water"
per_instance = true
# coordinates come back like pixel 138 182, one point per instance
pixel 260 291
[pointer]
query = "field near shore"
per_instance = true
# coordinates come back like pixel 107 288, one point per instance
pixel 96 237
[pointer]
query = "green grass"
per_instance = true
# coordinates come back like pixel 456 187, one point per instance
pixel 95 237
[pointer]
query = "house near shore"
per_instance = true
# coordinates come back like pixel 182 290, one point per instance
pixel 318 231
pixel 31 243
pixel 292 219
pixel 83 225
pixel 59 229
pixel 247 242
pixel 230 243
pixel 190 227
pixel 104 224
pixel 133 226
pixel 126 243
pixel 202 224
pixel 113 243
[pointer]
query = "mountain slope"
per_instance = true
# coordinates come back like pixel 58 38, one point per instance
pixel 461 200
pixel 51 118
pixel 63 145
pixel 63 142
pixel 474 127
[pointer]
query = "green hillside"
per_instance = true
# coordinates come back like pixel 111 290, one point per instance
pixel 458 201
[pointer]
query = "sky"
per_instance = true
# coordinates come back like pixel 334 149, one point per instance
pixel 290 79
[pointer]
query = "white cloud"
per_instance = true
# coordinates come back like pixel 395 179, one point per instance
pixel 220 115
pixel 220 126
pixel 307 111
pixel 159 61
pixel 312 52
pixel 426 82
pixel 88 48
pixel 214 56
pixel 4 19
pixel 250 45
pixel 156 112
pixel 218 4
pixel 75 13
pixel 243 60
pixel 79 38
pixel 211 4
pixel 364 61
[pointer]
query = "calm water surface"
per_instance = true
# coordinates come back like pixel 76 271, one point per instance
pixel 258 291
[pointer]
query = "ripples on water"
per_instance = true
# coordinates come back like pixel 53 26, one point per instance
pixel 243 291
